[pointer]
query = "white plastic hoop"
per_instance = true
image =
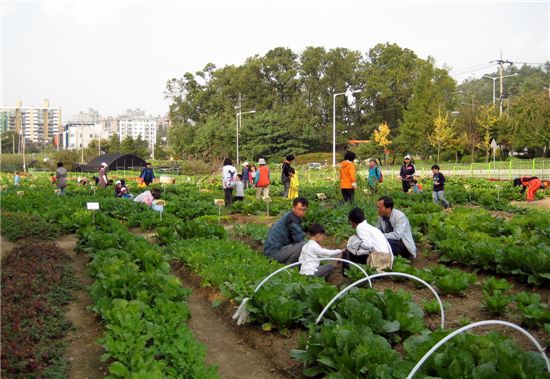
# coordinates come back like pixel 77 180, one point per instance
pixel 470 326
pixel 382 274
pixel 309 260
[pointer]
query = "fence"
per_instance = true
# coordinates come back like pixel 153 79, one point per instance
pixel 499 170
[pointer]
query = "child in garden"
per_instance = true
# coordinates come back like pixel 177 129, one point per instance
pixel 312 250
pixel 16 179
pixel 439 186
pixel 294 184
pixel 417 187
pixel 239 188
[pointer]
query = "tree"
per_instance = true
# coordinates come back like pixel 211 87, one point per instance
pixel 486 120
pixel 381 138
pixel 134 146
pixel 528 122
pixel 443 133
pixel 468 129
pixel 428 97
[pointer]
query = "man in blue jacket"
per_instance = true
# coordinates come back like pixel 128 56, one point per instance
pixel 147 174
pixel 286 237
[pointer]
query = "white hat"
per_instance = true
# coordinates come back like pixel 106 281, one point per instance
pixel 261 161
pixel 118 182
pixel 407 157
pixel 103 164
pixel 245 164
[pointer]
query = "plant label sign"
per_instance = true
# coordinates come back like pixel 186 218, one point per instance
pixel 92 206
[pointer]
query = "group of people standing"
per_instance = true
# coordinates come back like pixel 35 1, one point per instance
pixel 375 245
pixel 348 179
pixel 257 177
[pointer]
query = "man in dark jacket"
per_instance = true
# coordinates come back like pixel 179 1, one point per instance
pixel 147 174
pixel 285 174
pixel 285 238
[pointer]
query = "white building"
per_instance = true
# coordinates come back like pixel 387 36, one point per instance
pixel 146 127
pixel 79 135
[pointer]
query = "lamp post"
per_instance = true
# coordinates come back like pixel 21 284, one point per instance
pixel 494 78
pixel 334 122
pixel 239 121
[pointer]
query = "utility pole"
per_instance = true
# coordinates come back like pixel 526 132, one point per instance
pixel 500 63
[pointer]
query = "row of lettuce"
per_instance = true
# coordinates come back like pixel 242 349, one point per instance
pixel 345 337
pixel 142 305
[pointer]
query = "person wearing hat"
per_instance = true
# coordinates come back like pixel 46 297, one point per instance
pixel 285 174
pixel 406 173
pixel 261 181
pixel 103 175
pixel 245 175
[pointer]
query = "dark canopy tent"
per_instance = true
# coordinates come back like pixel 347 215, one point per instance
pixel 115 162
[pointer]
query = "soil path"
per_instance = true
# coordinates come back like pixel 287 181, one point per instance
pixel 234 358
pixel 5 247
pixel 538 204
pixel 83 352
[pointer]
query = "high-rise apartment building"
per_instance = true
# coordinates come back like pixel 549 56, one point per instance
pixel 36 124
pixel 146 127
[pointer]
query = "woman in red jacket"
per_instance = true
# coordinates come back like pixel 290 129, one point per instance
pixel 529 183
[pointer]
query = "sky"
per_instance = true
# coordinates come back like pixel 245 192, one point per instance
pixel 113 55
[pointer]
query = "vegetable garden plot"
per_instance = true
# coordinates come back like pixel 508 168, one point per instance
pixel 36 282
pixel 235 283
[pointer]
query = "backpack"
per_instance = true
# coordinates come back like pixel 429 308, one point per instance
pixel 381 179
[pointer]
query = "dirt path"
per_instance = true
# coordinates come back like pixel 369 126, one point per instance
pixel 5 247
pixel 83 352
pixel 235 354
pixel 538 204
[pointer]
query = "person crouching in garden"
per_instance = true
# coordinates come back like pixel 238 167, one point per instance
pixel 529 183
pixel 286 238
pixel 368 244
pixel 313 250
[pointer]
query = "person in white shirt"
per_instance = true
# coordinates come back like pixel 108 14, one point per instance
pixel 312 250
pixel 229 173
pixel 239 188
pixel 367 240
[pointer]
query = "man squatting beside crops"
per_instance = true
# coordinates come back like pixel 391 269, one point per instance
pixel 286 237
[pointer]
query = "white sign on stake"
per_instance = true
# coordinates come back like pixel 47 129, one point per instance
pixel 92 206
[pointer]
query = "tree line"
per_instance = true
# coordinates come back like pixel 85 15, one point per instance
pixel 419 106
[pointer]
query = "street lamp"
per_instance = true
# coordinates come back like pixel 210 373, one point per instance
pixel 494 78
pixel 238 116
pixel 334 122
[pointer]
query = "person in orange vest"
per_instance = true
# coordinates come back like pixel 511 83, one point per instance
pixel 348 181
pixel 261 181
pixel 529 183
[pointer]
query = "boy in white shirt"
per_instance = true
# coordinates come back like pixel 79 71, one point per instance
pixel 312 250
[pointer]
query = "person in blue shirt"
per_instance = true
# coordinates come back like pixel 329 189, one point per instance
pixel 374 175
pixel 147 174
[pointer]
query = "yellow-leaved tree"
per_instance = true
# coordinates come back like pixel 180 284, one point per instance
pixel 443 135
pixel 486 119
pixel 382 138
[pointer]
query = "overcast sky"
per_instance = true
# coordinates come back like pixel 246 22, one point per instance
pixel 111 55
